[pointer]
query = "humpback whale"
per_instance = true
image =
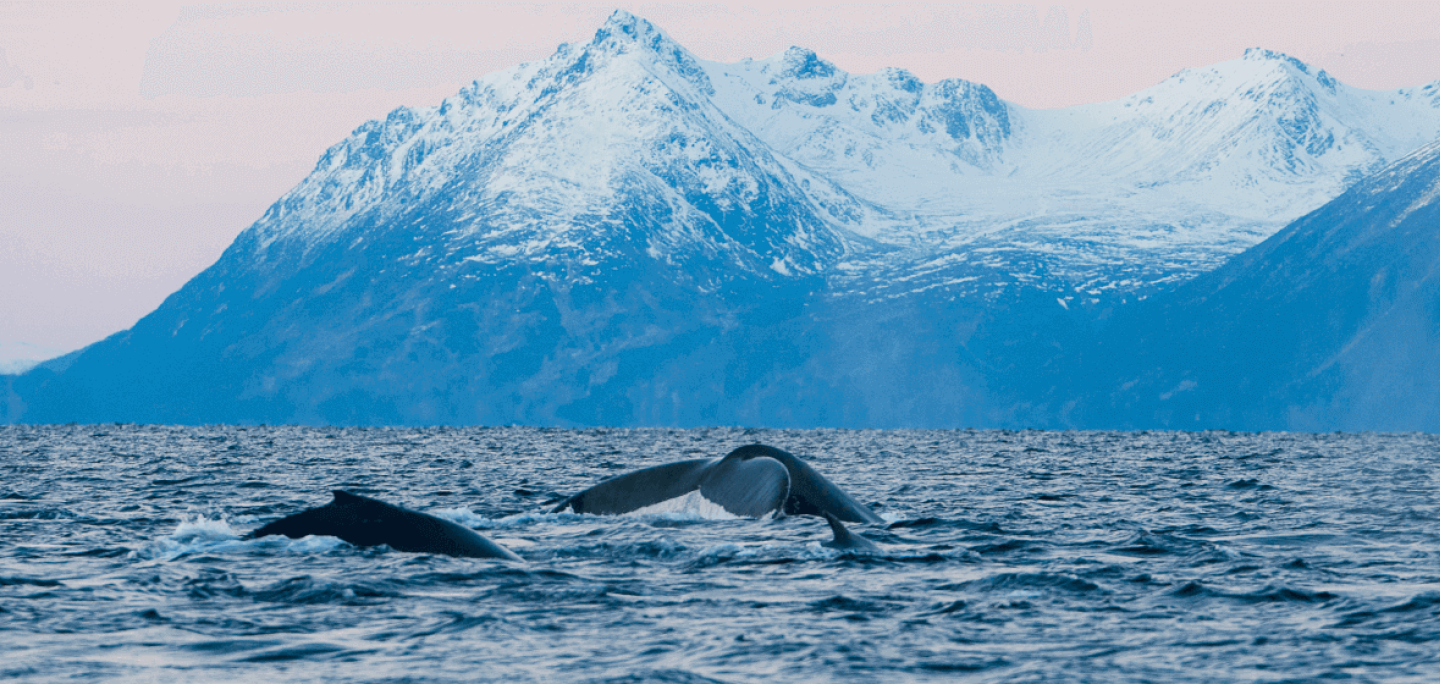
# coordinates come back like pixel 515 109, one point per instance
pixel 752 481
pixel 848 541
pixel 363 521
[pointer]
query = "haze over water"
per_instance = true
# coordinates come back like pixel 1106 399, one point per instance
pixel 1009 557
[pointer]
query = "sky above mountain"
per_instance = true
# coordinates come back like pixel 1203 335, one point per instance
pixel 139 141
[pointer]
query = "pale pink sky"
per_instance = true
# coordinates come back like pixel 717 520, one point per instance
pixel 137 141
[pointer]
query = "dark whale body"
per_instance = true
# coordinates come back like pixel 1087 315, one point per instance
pixel 848 541
pixel 751 481
pixel 363 521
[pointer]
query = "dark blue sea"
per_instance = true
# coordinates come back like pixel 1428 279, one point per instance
pixel 1007 557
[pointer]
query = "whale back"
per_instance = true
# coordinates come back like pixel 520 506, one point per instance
pixel 363 521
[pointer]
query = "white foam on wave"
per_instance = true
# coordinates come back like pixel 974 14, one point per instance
pixel 203 529
pixel 198 535
pixel 307 544
pixel 520 519
pixel 473 520
pixel 206 535
pixel 728 550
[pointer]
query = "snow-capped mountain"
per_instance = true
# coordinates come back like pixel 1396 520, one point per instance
pixel 608 146
pixel 1150 188
pixel 1153 187
pixel 623 233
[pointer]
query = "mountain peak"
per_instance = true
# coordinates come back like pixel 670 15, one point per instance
pixel 624 32
pixel 803 63
pixel 1256 54
pixel 1272 79
pixel 624 28
pixel 622 23
pixel 1262 55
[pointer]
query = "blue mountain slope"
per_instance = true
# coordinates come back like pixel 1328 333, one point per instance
pixel 1333 323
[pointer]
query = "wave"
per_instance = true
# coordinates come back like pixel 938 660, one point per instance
pixel 1272 593
pixel 1429 600
pixel 13 581
pixel 308 590
pixel 39 514
pixel 669 676
pixel 1032 583
pixel 847 604
pixel 204 535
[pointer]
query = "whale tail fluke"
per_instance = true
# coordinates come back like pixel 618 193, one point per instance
pixel 753 481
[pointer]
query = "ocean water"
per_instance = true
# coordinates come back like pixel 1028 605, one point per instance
pixel 1007 557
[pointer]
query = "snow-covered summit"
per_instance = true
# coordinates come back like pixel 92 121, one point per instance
pixel 876 134
pixel 1235 126
pixel 604 150
pixel 630 144
pixel 624 31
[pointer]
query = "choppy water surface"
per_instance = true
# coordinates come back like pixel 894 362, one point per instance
pixel 1010 557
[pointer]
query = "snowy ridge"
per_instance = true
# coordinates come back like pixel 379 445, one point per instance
pixel 563 156
pixel 1262 135
pixel 629 147
pixel 884 136
pixel 1149 189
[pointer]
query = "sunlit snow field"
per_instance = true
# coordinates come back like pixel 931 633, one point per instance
pixel 1008 557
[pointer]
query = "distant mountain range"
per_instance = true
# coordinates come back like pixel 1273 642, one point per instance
pixel 624 234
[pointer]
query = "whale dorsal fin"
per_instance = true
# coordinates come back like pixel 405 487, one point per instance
pixel 846 540
pixel 843 537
